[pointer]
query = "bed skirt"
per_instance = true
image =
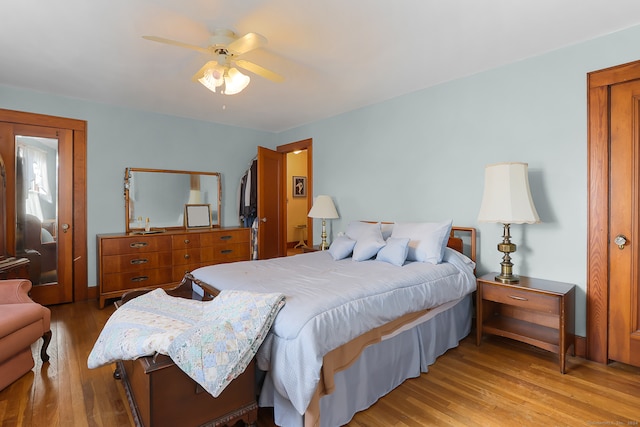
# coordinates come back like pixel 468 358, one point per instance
pixel 379 369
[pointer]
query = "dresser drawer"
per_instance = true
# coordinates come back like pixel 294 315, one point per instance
pixel 136 279
pixel 185 241
pixel 137 244
pixel 180 270
pixel 225 253
pixel 135 262
pixel 186 256
pixel 239 235
pixel 522 298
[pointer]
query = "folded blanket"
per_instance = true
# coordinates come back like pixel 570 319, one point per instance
pixel 144 326
pixel 212 341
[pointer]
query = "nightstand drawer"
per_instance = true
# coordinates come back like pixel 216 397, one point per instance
pixel 524 299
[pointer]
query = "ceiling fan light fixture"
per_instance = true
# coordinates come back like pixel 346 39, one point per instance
pixel 226 47
pixel 213 78
pixel 235 82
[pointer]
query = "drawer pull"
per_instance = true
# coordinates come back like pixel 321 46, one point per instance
pixel 139 261
pixel 187 256
pixel 139 278
pixel 138 244
pixel 227 237
pixel 518 298
pixel 226 251
pixel 186 241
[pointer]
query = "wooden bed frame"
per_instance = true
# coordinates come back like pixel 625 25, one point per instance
pixel 160 394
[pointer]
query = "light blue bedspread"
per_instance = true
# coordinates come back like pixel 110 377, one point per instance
pixel 329 303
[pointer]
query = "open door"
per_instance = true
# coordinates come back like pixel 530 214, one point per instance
pixel 271 206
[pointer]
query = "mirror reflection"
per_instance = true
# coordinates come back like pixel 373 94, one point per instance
pixel 37 206
pixel 155 199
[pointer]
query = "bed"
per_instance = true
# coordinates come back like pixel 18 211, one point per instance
pixel 355 327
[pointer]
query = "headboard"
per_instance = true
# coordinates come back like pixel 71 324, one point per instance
pixel 457 243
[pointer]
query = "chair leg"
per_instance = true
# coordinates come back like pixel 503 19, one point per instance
pixel 46 338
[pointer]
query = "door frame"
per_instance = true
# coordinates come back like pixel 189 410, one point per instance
pixel 598 170
pixel 304 144
pixel 79 138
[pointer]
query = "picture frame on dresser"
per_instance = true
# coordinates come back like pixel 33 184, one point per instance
pixel 197 216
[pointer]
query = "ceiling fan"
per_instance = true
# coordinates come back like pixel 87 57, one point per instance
pixel 226 47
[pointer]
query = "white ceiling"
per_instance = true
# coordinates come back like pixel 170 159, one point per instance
pixel 336 55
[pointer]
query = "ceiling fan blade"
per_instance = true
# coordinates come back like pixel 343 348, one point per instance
pixel 261 71
pixel 246 43
pixel 176 43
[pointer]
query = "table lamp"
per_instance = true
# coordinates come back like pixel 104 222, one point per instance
pixel 324 208
pixel 507 200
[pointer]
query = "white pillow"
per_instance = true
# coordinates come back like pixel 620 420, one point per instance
pixel 368 239
pixel 395 251
pixel 341 247
pixel 428 239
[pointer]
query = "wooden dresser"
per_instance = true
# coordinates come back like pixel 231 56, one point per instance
pixel 133 261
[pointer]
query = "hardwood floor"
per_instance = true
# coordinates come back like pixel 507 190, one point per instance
pixel 501 383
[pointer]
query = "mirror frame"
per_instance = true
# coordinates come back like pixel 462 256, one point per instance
pixel 127 207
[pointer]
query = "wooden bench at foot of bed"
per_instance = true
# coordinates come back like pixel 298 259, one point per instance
pixel 161 394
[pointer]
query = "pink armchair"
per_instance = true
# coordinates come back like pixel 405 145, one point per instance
pixel 22 322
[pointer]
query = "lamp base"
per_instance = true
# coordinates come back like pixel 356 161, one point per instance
pixel 506 266
pixel 324 245
pixel 511 278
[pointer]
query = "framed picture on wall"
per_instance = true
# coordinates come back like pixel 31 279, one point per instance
pixel 197 216
pixel 299 186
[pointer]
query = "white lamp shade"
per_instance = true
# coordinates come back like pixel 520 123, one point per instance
pixel 235 82
pixel 507 197
pixel 195 197
pixel 211 75
pixel 323 207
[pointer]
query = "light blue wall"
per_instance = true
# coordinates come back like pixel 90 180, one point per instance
pixel 118 138
pixel 421 157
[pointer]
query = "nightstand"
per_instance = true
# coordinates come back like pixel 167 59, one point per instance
pixel 534 311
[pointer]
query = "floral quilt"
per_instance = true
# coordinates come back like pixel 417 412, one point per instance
pixel 212 341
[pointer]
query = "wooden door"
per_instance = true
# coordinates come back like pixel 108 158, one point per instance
pixel 72 193
pixel 42 235
pixel 624 224
pixel 601 247
pixel 271 211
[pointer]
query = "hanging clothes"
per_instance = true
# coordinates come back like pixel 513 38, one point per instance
pixel 248 195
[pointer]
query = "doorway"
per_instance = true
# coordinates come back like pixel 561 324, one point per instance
pixel 613 289
pixel 46 202
pixel 299 194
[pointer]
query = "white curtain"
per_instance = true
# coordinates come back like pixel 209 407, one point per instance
pixel 36 178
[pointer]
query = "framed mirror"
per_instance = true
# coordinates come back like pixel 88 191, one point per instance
pixel 162 196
